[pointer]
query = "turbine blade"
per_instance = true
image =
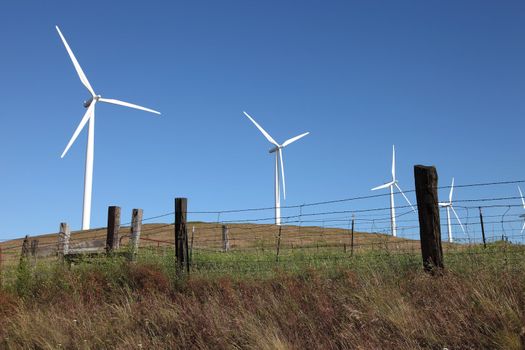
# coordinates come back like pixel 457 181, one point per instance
pixel 521 195
pixel 406 198
pixel 523 228
pixel 457 217
pixel 80 126
pixel 282 171
pixel 293 139
pixel 451 191
pixel 268 137
pixel 393 163
pixel 127 104
pixel 79 70
pixel 382 186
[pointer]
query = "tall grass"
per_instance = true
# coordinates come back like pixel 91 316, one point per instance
pixel 375 301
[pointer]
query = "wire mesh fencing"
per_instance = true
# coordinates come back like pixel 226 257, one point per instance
pixel 487 223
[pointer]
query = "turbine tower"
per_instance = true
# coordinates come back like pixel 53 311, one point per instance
pixel 391 185
pixel 89 116
pixel 278 150
pixel 449 207
pixel 522 215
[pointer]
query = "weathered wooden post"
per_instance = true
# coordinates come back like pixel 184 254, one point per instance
pixel 136 228
pixel 34 249
pixel 483 228
pixel 426 180
pixel 25 249
pixel 63 240
pixel 352 246
pixel 225 239
pixel 181 234
pixel 112 239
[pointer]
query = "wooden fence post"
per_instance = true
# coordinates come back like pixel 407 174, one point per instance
pixel 352 246
pixel 136 227
pixel 34 249
pixel 426 180
pixel 24 254
pixel 181 234
pixel 112 239
pixel 63 240
pixel 225 239
pixel 483 228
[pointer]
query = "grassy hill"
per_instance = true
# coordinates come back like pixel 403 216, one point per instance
pixel 242 237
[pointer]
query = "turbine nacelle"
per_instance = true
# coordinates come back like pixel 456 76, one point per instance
pixel 88 103
pixel 275 149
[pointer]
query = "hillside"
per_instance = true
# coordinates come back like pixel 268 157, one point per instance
pixel 208 237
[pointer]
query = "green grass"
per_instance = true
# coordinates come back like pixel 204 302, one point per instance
pixel 310 299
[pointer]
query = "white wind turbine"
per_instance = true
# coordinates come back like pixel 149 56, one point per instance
pixel 449 207
pixel 278 150
pixel 391 184
pixel 522 215
pixel 90 116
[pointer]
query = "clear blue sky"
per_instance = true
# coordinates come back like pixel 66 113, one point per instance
pixel 443 80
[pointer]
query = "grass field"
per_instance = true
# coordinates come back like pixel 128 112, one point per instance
pixel 246 299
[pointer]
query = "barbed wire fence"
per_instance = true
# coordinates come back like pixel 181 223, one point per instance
pixel 324 231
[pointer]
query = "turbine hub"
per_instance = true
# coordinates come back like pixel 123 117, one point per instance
pixel 274 149
pixel 87 103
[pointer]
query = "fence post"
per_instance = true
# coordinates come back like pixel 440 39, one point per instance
pixel 225 239
pixel 352 243
pixel 136 227
pixel 426 180
pixel 112 239
pixel 181 234
pixel 482 228
pixel 63 240
pixel 34 249
pixel 24 255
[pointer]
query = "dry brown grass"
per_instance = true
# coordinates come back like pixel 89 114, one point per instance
pixel 127 306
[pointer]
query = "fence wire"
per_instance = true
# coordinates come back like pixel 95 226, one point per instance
pixel 332 230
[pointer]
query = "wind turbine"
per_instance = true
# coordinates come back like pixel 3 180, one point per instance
pixel 449 207
pixel 89 116
pixel 522 215
pixel 391 184
pixel 278 150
